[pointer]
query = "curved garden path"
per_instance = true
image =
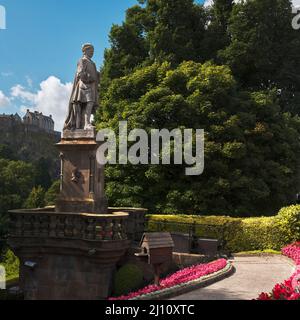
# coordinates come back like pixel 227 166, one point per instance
pixel 253 275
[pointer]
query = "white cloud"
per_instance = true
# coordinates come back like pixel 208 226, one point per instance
pixel 207 3
pixel 4 100
pixel 20 92
pixel 51 99
pixel 296 3
pixel 210 2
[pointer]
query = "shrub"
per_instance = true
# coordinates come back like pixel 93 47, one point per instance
pixel 289 223
pixel 52 193
pixel 127 279
pixel 36 198
pixel 249 234
pixel 11 264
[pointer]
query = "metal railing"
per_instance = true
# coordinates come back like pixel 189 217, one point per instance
pixel 194 230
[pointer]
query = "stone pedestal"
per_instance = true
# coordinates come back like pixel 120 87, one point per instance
pixel 82 178
pixel 67 256
pixel 71 251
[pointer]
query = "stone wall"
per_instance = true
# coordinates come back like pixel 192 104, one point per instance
pixel 67 256
pixel 5 123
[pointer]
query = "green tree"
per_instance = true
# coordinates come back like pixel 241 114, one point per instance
pixel 255 38
pixel 217 36
pixel 6 152
pixel 155 30
pixel 42 174
pixel 178 29
pixel 240 101
pixel 264 51
pixel 16 181
pixel 52 193
pixel 36 198
pixel 251 151
pixel 128 46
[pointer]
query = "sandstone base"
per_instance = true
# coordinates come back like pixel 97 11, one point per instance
pixel 67 256
pixel 82 177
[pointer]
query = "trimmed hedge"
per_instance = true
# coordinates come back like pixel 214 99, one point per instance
pixel 240 234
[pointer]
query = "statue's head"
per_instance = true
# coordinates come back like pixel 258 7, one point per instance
pixel 88 50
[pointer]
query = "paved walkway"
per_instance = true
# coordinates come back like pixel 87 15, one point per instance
pixel 253 276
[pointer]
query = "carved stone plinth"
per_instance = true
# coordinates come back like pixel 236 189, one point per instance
pixel 66 255
pixel 79 134
pixel 82 177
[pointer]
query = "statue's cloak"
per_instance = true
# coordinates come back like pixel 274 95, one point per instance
pixel 85 89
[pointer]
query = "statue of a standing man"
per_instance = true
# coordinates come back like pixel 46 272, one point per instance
pixel 84 97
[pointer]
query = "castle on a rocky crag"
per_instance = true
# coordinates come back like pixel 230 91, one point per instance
pixel 31 122
pixel 31 138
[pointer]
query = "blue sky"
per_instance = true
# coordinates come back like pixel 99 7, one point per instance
pixel 44 37
pixel 41 45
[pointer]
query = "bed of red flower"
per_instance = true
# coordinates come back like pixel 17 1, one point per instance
pixel 290 289
pixel 181 277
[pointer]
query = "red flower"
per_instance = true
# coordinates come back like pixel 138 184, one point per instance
pixel 180 277
pixel 289 290
pixel 264 296
pixel 294 296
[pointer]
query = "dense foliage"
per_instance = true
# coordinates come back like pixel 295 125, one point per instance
pixel 16 182
pixel 20 188
pixel 22 185
pixel 175 64
pixel 36 199
pixel 251 147
pixel 264 49
pixel 239 234
pixel 11 264
pixel 52 193
pixel 254 37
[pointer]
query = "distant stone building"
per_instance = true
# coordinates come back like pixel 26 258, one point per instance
pixel 37 119
pixel 8 121
pixel 31 138
pixel 31 122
